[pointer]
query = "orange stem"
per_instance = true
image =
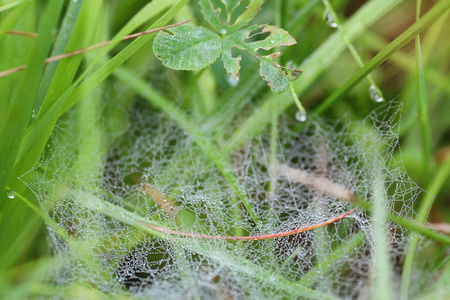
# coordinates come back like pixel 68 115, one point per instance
pixel 248 238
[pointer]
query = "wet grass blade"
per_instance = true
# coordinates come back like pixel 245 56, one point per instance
pixel 40 131
pixel 429 18
pixel 436 184
pixel 22 104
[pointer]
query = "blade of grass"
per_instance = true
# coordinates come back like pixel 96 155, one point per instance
pixel 429 18
pixel 381 266
pixel 87 49
pixel 80 37
pixel 352 49
pixel 436 184
pixel 68 27
pixel 411 225
pixel 22 103
pixel 13 130
pixel 12 4
pixel 424 115
pixel 38 134
pixel 13 49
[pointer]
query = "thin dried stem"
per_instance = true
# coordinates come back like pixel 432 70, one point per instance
pixel 248 238
pixel 80 51
pixel 24 33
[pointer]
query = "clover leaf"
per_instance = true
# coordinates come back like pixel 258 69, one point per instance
pixel 190 47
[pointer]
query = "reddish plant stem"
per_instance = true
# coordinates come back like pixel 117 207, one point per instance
pixel 79 51
pixel 24 33
pixel 248 238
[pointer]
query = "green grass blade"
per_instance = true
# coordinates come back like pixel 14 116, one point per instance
pixel 429 18
pixel 353 50
pixel 12 4
pixel 67 32
pixel 424 115
pixel 40 131
pixel 436 184
pixel 411 225
pixel 22 103
pixel 381 268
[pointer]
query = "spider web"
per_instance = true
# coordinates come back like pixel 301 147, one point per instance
pixel 155 173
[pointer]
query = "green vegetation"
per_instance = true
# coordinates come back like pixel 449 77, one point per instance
pixel 156 130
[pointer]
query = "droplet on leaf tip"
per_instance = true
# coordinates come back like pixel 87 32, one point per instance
pixel 232 81
pixel 328 17
pixel 300 116
pixel 375 94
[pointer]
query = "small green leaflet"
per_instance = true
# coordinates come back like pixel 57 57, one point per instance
pixel 190 47
pixel 270 71
pixel 220 13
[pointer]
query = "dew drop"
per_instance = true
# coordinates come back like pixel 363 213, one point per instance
pixel 33 114
pixel 11 194
pixel 300 116
pixel 375 94
pixel 328 17
pixel 232 81
pixel 223 31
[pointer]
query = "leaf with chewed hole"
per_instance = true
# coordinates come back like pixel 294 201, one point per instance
pixel 223 15
pixel 187 47
pixel 276 76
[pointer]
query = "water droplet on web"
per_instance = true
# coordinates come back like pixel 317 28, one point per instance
pixel 328 17
pixel 300 116
pixel 375 94
pixel 223 31
pixel 11 194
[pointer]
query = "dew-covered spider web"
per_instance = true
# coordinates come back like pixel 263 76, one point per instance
pixel 155 174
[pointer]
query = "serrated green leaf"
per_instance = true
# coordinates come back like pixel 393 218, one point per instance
pixel 189 47
pixel 276 76
pixel 220 13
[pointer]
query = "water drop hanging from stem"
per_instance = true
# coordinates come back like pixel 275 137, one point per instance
pixel 329 18
pixel 375 94
pixel 301 113
pixel 11 194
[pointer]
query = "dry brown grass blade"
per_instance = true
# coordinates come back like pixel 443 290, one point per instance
pixel 80 51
